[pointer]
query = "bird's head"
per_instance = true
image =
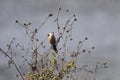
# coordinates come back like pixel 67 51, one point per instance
pixel 50 34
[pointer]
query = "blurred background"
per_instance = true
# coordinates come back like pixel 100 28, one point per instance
pixel 99 20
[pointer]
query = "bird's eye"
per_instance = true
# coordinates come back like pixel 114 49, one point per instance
pixel 48 35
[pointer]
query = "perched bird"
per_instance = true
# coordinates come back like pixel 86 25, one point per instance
pixel 52 41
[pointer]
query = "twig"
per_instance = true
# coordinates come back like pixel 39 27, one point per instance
pixel 2 51
pixel 44 22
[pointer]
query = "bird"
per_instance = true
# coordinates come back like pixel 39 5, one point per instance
pixel 52 41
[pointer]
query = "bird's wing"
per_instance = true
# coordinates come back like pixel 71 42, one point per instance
pixel 53 40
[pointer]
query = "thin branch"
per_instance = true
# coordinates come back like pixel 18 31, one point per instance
pixel 2 51
pixel 44 22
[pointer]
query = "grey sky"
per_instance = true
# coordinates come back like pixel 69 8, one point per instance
pixel 99 20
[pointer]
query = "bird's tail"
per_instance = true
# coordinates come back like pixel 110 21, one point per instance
pixel 54 47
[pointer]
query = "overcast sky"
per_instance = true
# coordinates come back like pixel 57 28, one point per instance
pixel 99 20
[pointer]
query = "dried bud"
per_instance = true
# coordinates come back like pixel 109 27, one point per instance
pixel 105 66
pixel 93 47
pixel 71 39
pixel 89 51
pixel 42 43
pixel 44 46
pixel 67 76
pixel 36 30
pixel 75 19
pixel 64 28
pixel 33 67
pixel 86 38
pixel 104 63
pixel 37 40
pixel 25 24
pixel 84 50
pixel 16 21
pixel 67 31
pixel 13 38
pixel 59 8
pixel 17 76
pixel 79 42
pixel 29 23
pixel 60 33
pixel 74 15
pixel 50 15
pixel 25 59
pixel 59 48
pixel 67 10
pixel 58 27
pixel 63 59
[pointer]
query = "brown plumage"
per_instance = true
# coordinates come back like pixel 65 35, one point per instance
pixel 52 41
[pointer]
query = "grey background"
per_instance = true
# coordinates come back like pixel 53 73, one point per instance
pixel 99 20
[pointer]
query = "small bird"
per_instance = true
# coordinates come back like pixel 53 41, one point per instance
pixel 52 41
